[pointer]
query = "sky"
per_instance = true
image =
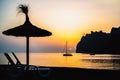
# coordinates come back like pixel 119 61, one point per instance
pixel 68 20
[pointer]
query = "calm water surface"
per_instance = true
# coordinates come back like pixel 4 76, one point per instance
pixel 101 61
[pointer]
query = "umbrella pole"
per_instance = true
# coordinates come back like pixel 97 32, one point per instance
pixel 27 51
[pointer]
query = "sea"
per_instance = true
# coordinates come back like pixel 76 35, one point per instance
pixel 78 60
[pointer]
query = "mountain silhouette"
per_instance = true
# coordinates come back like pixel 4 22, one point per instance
pixel 100 42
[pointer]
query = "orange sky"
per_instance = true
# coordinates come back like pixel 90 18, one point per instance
pixel 66 19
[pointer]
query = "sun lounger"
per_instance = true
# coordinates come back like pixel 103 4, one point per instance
pixel 18 62
pixel 10 61
pixel 18 68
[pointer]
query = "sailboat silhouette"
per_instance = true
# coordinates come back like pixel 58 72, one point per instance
pixel 66 51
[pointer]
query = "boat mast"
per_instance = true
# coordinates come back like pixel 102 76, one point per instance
pixel 66 46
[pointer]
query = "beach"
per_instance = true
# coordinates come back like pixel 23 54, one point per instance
pixel 57 73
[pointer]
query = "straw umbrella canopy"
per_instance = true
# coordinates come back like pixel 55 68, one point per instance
pixel 27 30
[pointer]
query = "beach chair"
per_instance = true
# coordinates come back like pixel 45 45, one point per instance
pixel 18 62
pixel 44 72
pixel 10 61
pixel 13 70
pixel 23 66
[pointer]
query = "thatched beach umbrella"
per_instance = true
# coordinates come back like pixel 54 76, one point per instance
pixel 27 30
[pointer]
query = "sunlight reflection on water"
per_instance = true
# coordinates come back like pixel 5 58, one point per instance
pixel 100 61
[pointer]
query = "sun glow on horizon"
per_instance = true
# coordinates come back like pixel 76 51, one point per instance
pixel 68 20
